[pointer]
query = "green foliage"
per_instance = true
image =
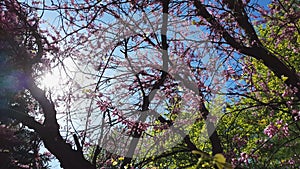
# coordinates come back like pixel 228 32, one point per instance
pixel 261 131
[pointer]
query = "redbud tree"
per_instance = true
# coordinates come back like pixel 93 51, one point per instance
pixel 154 83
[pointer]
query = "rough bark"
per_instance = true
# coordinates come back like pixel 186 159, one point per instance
pixel 49 132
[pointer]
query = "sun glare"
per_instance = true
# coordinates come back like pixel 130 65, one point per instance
pixel 58 76
pixel 50 80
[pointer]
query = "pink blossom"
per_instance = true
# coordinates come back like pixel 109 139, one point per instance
pixel 285 130
pixel 296 114
pixel 291 162
pixel 103 105
pixel 271 130
pixel 279 122
pixel 239 140
pixel 244 157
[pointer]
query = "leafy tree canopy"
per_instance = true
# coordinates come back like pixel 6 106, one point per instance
pixel 150 83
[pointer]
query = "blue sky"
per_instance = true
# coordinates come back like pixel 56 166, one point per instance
pixel 51 18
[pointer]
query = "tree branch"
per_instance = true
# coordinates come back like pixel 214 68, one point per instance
pixel 257 51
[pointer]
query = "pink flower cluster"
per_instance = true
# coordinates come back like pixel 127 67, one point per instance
pixel 244 158
pixel 272 129
pixel 103 105
pixel 296 115
pixel 240 141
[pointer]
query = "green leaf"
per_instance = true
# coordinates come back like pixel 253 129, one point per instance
pixel 220 160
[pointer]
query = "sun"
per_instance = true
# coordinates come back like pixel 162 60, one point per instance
pixel 58 76
pixel 50 80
